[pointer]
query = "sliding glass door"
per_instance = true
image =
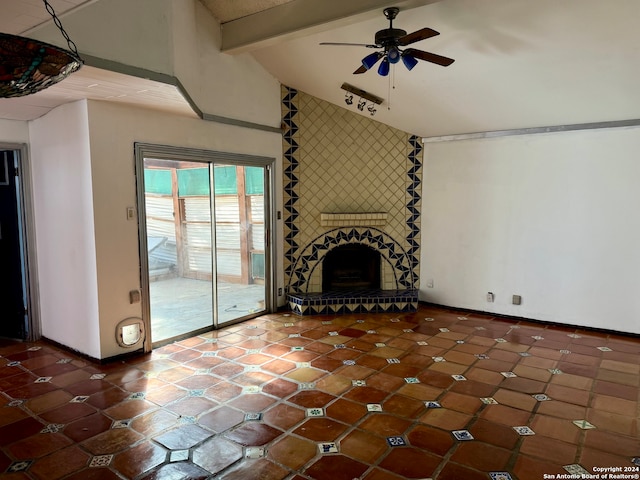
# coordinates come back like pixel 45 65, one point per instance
pixel 204 221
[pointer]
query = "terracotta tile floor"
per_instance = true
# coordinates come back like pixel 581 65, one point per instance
pixel 437 394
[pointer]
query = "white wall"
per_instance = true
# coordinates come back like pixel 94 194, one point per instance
pixel 551 217
pixel 113 131
pixel 12 131
pixel 131 32
pixel 65 241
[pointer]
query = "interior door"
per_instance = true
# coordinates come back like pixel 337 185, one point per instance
pixel 13 320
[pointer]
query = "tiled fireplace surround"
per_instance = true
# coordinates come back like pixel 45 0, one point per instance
pixel 348 179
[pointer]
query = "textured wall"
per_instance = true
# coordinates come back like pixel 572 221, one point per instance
pixel 338 161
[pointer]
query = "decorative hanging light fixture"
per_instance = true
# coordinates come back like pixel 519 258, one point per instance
pixel 28 66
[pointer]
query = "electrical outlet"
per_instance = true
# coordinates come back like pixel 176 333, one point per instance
pixel 516 300
pixel 280 292
pixel 430 283
pixel 490 297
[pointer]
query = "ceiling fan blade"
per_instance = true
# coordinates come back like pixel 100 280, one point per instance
pixel 416 36
pixel 429 57
pixel 361 69
pixel 342 44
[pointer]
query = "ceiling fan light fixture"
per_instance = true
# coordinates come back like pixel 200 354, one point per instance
pixel 370 60
pixel 393 55
pixel 383 69
pixel 409 61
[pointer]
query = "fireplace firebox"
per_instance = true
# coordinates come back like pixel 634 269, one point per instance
pixel 351 267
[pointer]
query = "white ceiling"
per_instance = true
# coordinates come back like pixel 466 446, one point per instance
pixel 518 63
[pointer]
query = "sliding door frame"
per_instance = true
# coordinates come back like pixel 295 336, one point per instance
pixel 208 158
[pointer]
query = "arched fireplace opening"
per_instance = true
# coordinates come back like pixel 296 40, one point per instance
pixel 353 266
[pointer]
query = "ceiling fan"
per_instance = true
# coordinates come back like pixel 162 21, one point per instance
pixel 389 42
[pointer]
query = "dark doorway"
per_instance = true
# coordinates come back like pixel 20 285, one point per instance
pixel 12 279
pixel 351 267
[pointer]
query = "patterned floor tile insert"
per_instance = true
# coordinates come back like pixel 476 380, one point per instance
pixel 489 401
pixel 500 476
pixel 374 407
pixel 101 461
pixel 328 447
pixel 462 435
pixel 432 404
pixel 577 469
pixel 253 417
pixel 53 428
pixel 254 452
pixel 121 423
pixel 541 397
pixel 396 441
pixel 524 430
pixel 584 425
pixel 21 466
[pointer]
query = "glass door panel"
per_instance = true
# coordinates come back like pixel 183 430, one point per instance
pixel 179 247
pixel 240 240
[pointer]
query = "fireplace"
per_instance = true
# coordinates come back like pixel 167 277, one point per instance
pixel 351 267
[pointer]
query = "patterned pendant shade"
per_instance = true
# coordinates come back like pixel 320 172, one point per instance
pixel 28 66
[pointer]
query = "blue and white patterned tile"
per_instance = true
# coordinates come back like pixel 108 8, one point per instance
pixel 432 404
pixel 462 435
pixel 328 447
pixel 253 417
pixel 374 407
pixel 524 430
pixel 396 441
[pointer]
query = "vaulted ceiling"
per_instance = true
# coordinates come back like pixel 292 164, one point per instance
pixel 518 63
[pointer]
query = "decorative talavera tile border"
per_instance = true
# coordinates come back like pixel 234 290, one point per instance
pixel 312 255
